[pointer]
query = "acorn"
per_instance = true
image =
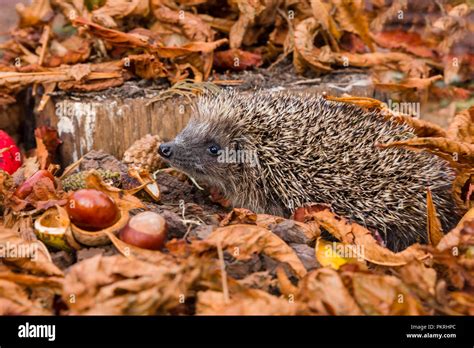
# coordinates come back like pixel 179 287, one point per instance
pixel 146 230
pixel 92 210
pixel 27 187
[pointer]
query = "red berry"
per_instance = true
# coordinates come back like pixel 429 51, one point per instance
pixel 10 158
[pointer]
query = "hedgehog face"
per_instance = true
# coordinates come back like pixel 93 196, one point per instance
pixel 202 154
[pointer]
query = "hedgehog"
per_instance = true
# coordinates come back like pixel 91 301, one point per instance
pixel 271 152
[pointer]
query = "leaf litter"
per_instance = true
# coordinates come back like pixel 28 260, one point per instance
pixel 217 260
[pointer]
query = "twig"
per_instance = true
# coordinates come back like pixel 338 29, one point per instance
pixel 44 41
pixel 228 82
pixel 70 168
pixel 305 82
pixel 27 213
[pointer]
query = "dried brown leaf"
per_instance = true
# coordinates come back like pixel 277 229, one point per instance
pixel 422 128
pixel 409 83
pixel 322 292
pixel 420 278
pixel 463 186
pixel 384 295
pixel 321 13
pixel 14 300
pixel 32 257
pixel 407 41
pixel 120 9
pixel 98 85
pixel 247 302
pixel 115 37
pixel 392 12
pixel 433 225
pixel 461 127
pixel 456 153
pixel 245 216
pixel 237 59
pixel 192 26
pixel 116 285
pixel 452 239
pixel 370 250
pixel 124 200
pixel 39 11
pixel 133 252
pixel 351 17
pixel 305 53
pixel 241 241
pixel 248 13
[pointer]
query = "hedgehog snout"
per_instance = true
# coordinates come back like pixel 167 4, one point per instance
pixel 181 157
pixel 166 150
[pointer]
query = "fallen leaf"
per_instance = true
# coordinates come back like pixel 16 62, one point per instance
pixel 115 37
pixel 193 27
pixel 39 11
pixel 420 278
pixel 433 224
pixel 350 17
pixel 120 9
pixel 306 231
pixel 322 292
pixel 115 285
pixel 14 300
pixel 32 257
pixel 124 200
pixel 47 142
pixel 328 255
pixel 418 83
pixel 463 188
pixel 321 13
pixel 249 13
pixel 237 60
pixel 456 153
pixel 247 302
pixel 98 85
pixel 452 239
pixel 384 295
pixel 407 41
pixel 461 127
pixel 305 53
pixel 241 241
pixel 368 248
pixel 422 128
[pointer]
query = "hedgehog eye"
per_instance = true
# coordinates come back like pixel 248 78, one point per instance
pixel 213 149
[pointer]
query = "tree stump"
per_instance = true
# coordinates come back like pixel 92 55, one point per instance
pixel 112 125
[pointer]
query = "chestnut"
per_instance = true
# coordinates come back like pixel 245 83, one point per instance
pixel 146 230
pixel 92 210
pixel 27 187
